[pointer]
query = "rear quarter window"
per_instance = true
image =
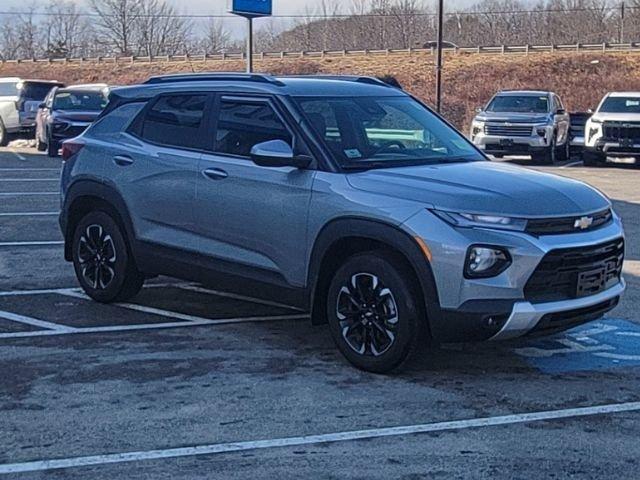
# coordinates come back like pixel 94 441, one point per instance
pixel 116 120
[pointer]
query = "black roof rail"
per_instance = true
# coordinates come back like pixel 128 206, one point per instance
pixel 346 78
pixel 214 76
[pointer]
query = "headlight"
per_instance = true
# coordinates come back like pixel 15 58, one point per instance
pixel 595 120
pixel 485 261
pixel 476 127
pixel 480 220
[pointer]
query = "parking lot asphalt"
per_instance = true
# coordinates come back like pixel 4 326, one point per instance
pixel 185 382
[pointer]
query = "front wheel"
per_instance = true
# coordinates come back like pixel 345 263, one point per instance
pixel 374 311
pixel 102 262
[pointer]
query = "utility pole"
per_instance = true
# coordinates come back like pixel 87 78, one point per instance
pixel 621 39
pixel 250 45
pixel 439 56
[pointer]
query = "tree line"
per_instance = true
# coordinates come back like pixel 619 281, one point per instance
pixel 155 27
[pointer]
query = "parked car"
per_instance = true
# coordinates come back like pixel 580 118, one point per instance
pixel 614 129
pixel 19 101
pixel 66 113
pixel 345 197
pixel 523 122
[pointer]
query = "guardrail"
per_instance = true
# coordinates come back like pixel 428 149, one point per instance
pixel 479 50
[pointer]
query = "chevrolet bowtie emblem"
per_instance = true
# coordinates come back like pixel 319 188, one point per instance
pixel 583 223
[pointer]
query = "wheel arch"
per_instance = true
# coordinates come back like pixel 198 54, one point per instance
pixel 85 196
pixel 343 237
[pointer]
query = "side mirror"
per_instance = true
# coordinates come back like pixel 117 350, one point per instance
pixel 561 111
pixel 478 109
pixel 277 153
pixel 591 111
pixel 42 105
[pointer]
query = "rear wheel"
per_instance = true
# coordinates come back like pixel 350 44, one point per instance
pixel 102 261
pixel 4 136
pixel 374 311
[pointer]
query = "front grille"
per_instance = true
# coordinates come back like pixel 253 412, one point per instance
pixel 504 130
pixel 621 130
pixel 576 272
pixel 556 226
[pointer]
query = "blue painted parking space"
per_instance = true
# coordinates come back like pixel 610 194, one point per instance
pixel 604 345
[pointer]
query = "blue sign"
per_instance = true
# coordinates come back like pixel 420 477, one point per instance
pixel 609 343
pixel 254 8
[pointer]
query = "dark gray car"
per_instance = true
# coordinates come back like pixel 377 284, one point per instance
pixel 345 197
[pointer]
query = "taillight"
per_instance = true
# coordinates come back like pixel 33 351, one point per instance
pixel 70 148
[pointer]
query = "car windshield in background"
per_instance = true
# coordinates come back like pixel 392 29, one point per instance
pixel 621 105
pixel 35 91
pixel 8 89
pixel 79 101
pixel 378 132
pixel 524 104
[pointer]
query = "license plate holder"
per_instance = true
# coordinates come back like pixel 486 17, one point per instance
pixel 591 281
pixel 506 142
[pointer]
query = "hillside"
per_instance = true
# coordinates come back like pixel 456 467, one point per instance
pixel 469 80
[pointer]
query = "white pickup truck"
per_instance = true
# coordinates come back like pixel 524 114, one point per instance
pixel 19 102
pixel 614 129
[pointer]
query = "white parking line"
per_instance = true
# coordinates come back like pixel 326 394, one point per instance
pixel 23 194
pixel 29 179
pixel 28 214
pixel 218 448
pixel 34 322
pixel 46 291
pixel 572 164
pixel 218 293
pixel 20 169
pixel 31 244
pixel 18 154
pixel 184 316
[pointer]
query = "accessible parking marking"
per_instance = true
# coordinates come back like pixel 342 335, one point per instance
pixel 218 448
pixel 607 344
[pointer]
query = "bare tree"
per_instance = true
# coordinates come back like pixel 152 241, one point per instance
pixel 159 30
pixel 216 37
pixel 116 23
pixel 65 31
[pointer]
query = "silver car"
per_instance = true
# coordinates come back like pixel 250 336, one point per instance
pixel 341 196
pixel 524 122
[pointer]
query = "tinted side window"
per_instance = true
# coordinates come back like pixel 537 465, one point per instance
pixel 241 125
pixel 175 120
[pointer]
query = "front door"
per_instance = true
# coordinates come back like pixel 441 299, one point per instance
pixel 250 217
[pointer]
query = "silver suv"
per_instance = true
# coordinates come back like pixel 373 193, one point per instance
pixel 342 196
pixel 524 122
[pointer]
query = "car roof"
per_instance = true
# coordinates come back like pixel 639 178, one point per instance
pixel 82 88
pixel 9 79
pixel 533 93
pixel 316 85
pixel 623 94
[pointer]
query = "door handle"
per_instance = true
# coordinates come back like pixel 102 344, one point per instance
pixel 215 173
pixel 123 160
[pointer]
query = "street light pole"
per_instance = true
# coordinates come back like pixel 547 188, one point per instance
pixel 439 56
pixel 250 45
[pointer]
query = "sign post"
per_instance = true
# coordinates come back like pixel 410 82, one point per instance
pixel 251 9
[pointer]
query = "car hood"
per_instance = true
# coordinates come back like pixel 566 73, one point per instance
pixel 69 116
pixel 617 117
pixel 484 187
pixel 512 117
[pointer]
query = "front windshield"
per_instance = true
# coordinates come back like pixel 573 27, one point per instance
pixel 376 132
pixel 519 104
pixel 80 101
pixel 8 89
pixel 621 105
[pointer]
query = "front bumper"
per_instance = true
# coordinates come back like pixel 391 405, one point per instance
pixel 497 307
pixel 494 144
pixel 611 148
pixel 525 317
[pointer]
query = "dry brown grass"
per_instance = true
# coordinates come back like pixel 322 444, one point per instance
pixel 469 80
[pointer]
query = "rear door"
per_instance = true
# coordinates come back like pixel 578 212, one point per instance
pixel 155 168
pixel 248 216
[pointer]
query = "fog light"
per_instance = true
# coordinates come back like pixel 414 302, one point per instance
pixel 541 132
pixel 486 261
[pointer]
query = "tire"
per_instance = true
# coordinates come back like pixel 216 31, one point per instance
pixel 564 153
pixel 116 278
pixel 52 148
pixel 4 135
pixel 591 159
pixel 548 157
pixel 362 334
